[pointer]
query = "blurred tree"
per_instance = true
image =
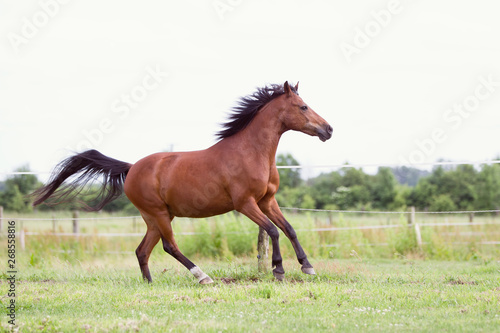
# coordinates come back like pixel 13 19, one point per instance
pixel 295 197
pixel 12 199
pixel 323 188
pixel 25 183
pixel 16 188
pixel 441 203
pixel 288 177
pixel 488 188
pixel 461 187
pixel 422 195
pixel 342 197
pixel 457 183
pixel 121 204
pixel 308 202
pixel 357 183
pixel 383 188
pixel 409 176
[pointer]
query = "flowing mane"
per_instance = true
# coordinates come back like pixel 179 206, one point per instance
pixel 248 106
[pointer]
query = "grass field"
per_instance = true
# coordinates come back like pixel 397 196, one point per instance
pixel 93 284
pixel 346 295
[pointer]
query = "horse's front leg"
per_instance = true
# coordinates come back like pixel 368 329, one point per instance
pixel 253 212
pixel 273 211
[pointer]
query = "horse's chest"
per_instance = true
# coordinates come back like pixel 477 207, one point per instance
pixel 265 183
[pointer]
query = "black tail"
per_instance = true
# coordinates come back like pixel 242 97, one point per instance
pixel 90 165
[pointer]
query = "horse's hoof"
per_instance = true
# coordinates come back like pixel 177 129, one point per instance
pixel 308 270
pixel 206 280
pixel 279 276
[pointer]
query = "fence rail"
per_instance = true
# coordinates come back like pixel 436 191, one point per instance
pixel 283 208
pixel 391 212
pixel 390 165
pixel 359 227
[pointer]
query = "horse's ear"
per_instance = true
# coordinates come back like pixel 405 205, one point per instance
pixel 297 87
pixel 287 89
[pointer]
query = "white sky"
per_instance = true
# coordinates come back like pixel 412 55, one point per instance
pixel 65 69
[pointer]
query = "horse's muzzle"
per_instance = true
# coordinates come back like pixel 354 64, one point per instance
pixel 325 132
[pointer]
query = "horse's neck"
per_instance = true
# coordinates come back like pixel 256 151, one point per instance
pixel 261 137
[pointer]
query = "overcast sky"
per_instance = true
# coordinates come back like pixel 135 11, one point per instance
pixel 399 81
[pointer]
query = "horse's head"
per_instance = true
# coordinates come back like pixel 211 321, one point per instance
pixel 298 116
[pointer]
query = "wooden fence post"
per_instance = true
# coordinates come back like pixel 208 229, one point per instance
pixel 76 228
pixel 418 236
pixel 411 222
pixel 411 217
pixel 262 248
pixel 54 224
pixel 22 240
pixel 471 217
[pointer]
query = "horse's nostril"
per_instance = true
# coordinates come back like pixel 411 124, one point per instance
pixel 329 129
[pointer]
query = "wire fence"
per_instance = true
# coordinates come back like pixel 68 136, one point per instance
pixel 390 212
pixel 410 214
pixel 412 223
pixel 295 209
pixel 320 166
pixel 389 165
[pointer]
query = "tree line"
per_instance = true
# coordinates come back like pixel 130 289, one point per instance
pixel 461 187
pixel 15 196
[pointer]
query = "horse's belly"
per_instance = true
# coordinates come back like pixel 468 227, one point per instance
pixel 199 206
pixel 198 201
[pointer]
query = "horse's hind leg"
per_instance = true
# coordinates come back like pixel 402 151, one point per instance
pixel 144 251
pixel 170 246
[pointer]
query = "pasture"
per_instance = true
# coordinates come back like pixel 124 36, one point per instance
pixel 93 284
pixel 346 295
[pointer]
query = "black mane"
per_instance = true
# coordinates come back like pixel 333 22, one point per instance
pixel 248 106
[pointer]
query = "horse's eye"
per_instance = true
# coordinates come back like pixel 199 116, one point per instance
pixel 303 108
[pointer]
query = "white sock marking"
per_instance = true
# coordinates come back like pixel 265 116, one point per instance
pixel 198 273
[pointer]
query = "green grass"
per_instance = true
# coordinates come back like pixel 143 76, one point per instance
pixel 356 294
pixel 368 280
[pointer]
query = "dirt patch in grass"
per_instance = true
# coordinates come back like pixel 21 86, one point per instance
pixel 228 280
pixel 461 282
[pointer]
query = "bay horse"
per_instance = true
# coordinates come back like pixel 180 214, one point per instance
pixel 237 173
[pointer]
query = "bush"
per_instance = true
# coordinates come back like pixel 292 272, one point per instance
pixel 441 203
